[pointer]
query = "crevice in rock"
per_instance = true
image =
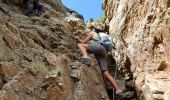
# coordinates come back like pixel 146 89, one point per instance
pixel 124 78
pixel 150 19
pixel 163 66
pixel 127 72
pixel 2 81
pixel 158 39
pixel 147 38
pixel 168 3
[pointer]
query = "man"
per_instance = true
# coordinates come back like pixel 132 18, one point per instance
pixel 100 53
pixel 31 5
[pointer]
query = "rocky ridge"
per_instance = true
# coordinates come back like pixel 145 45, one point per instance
pixel 39 59
pixel 140 29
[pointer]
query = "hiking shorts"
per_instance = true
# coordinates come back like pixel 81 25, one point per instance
pixel 100 53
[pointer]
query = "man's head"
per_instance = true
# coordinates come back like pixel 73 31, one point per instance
pixel 91 20
pixel 86 31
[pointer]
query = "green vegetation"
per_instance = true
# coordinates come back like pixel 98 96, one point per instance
pixel 102 18
pixel 38 67
pixel 2 93
pixel 88 25
pixel 54 73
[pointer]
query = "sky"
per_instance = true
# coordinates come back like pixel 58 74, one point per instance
pixel 87 8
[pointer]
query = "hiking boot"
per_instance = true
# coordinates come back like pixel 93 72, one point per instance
pixel 86 61
pixel 40 10
pixel 38 13
pixel 119 92
pixel 27 12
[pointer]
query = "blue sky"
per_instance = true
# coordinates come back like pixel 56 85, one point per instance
pixel 87 8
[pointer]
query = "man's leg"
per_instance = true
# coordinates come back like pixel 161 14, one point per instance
pixel 101 56
pixel 111 80
pixel 40 10
pixel 30 7
pixel 83 49
pixel 39 7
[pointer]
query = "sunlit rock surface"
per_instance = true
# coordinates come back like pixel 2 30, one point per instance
pixel 39 59
pixel 141 31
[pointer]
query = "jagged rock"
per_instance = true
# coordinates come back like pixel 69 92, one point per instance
pixel 11 41
pixel 96 26
pixel 140 30
pixel 130 85
pixel 74 13
pixel 53 74
pixel 7 69
pixel 1 82
pixel 158 96
pixel 35 68
pixel 157 85
pixel 127 95
pixel 54 80
pixel 76 23
pixel 56 4
pixel 166 95
pixel 75 73
pixel 75 65
pixel 36 53
pixel 13 1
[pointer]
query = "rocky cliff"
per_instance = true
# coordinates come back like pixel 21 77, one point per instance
pixel 141 31
pixel 39 60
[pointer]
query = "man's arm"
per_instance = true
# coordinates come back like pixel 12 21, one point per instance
pixel 86 39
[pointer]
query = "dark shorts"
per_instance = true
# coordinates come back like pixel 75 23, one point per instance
pixel 100 53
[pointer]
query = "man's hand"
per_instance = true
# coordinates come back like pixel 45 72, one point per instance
pixel 76 38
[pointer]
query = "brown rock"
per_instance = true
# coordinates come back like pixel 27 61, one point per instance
pixel 166 95
pixel 7 70
pixel 140 30
pixel 158 96
pixel 36 53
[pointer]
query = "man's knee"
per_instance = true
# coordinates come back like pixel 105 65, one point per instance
pixel 41 8
pixel 30 6
pixel 105 73
pixel 79 45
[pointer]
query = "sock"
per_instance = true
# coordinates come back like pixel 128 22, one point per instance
pixel 86 56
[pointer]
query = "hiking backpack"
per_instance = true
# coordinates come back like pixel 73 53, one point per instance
pixel 106 41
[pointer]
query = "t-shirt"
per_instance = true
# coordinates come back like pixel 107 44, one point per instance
pixel 95 38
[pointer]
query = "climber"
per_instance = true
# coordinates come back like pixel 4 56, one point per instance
pixel 90 44
pixel 31 5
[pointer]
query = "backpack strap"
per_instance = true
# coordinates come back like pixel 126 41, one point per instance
pixel 95 38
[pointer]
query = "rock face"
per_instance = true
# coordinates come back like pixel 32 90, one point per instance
pixel 39 60
pixel 140 29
